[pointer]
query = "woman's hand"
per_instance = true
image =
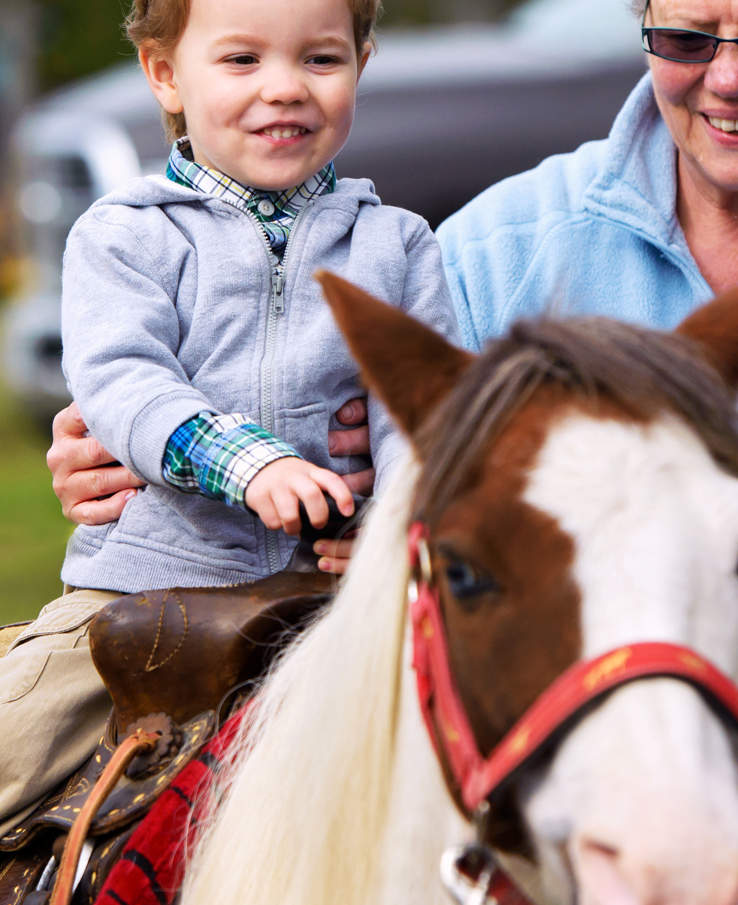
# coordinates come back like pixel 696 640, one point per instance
pixel 92 489
pixel 353 442
pixel 335 555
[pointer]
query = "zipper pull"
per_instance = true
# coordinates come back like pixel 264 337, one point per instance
pixel 277 287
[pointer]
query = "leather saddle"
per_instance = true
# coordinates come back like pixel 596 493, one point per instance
pixel 175 661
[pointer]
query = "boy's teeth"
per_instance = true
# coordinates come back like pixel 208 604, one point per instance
pixel 725 125
pixel 284 132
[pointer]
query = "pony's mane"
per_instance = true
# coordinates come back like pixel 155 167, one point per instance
pixel 644 372
pixel 314 773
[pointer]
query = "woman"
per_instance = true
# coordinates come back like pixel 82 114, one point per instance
pixel 642 225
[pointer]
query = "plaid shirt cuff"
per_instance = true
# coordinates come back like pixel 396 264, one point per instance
pixel 218 455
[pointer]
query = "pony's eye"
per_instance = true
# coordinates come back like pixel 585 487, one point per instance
pixel 465 581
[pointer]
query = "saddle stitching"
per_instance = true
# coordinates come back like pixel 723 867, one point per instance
pixel 151 666
pixel 82 787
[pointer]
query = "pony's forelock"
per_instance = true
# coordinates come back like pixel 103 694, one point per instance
pixel 645 372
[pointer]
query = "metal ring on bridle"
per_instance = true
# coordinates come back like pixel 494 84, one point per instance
pixel 424 561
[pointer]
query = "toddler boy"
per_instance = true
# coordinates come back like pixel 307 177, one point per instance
pixel 197 344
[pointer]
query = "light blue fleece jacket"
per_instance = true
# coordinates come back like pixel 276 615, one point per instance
pixel 171 306
pixel 591 232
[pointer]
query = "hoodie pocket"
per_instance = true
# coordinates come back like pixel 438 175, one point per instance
pixel 306 428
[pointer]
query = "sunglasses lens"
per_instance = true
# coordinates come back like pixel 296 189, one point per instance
pixel 676 44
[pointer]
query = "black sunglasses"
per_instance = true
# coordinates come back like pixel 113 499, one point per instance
pixel 682 45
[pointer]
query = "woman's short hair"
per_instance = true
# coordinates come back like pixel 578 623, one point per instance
pixel 161 22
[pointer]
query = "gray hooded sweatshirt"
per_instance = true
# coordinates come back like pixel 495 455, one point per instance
pixel 171 306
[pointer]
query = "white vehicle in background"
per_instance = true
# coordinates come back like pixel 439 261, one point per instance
pixel 442 113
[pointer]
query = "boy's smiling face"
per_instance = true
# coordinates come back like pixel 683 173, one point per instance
pixel 268 87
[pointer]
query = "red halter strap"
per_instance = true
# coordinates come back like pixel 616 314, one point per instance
pixel 478 777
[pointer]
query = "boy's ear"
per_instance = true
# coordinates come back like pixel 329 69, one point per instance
pixel 366 52
pixel 410 367
pixel 159 72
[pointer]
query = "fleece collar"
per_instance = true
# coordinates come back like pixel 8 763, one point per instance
pixel 637 182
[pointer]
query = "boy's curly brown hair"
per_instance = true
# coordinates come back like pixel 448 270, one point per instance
pixel 162 22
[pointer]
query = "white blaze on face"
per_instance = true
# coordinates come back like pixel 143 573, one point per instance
pixel 641 799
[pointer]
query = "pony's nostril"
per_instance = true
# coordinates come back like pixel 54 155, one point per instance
pixel 601 879
pixel 606 875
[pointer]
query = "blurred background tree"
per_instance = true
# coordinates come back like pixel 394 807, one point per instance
pixel 424 12
pixel 76 38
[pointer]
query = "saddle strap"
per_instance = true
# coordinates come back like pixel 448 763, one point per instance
pixel 151 868
pixel 138 742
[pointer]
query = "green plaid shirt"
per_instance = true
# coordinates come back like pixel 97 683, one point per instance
pixel 218 455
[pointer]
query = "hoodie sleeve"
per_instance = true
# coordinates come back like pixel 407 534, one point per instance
pixel 121 333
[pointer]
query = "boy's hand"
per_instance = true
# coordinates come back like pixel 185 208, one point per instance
pixel 276 491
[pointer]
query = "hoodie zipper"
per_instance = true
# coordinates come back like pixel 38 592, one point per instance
pixel 276 310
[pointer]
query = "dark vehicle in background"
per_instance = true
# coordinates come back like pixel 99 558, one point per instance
pixel 442 113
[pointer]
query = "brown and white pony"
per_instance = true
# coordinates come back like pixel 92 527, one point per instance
pixel 577 482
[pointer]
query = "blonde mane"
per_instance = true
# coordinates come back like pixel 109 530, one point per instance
pixel 304 817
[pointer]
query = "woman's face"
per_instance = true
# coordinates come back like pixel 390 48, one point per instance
pixel 699 101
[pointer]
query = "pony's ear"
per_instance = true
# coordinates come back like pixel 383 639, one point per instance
pixel 714 327
pixel 409 366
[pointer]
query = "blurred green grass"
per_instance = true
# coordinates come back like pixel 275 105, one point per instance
pixel 33 532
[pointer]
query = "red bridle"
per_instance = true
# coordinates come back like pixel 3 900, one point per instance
pixel 477 777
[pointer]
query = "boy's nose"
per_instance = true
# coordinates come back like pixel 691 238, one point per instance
pixel 283 85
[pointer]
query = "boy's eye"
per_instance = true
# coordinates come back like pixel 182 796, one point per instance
pixel 323 59
pixel 243 59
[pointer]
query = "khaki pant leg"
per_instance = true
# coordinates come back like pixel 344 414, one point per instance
pixel 53 705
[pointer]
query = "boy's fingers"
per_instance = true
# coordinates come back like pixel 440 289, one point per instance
pixel 266 510
pixel 310 493
pixel 337 488
pixel 285 503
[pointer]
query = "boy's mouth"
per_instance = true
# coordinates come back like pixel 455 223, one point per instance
pixel 284 131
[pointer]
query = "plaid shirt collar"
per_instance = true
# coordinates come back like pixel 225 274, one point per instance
pixel 285 205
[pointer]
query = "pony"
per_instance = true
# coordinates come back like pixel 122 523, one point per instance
pixel 577 488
